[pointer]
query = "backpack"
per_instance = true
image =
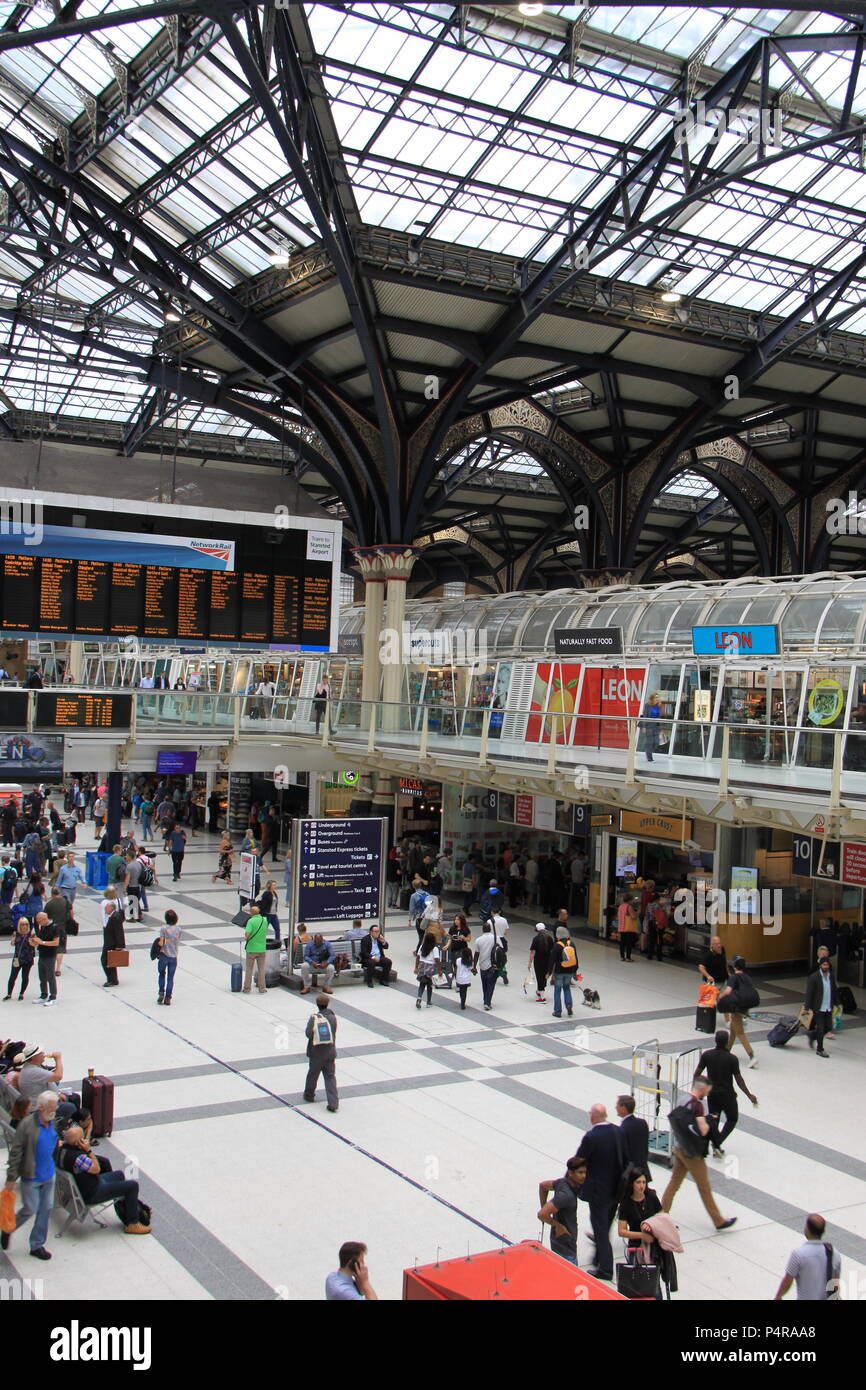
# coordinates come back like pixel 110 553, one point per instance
pixel 569 956
pixel 746 995
pixel 10 878
pixel 499 954
pixel 323 1033
pixel 146 876
pixel 681 1120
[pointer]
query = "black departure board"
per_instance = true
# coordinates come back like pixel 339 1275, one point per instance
pixel 160 601
pixel 13 709
pixel 20 591
pixel 193 604
pixel 255 607
pixel 289 605
pixel 126 599
pixel 225 607
pixel 60 711
pixel 56 595
pixel 91 596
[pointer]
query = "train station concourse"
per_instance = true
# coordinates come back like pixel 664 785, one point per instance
pixel 432 664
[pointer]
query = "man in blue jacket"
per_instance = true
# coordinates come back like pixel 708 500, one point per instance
pixel 318 960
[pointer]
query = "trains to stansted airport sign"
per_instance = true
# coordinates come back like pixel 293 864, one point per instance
pixel 737 639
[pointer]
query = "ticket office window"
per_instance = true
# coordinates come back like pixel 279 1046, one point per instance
pixel 827 694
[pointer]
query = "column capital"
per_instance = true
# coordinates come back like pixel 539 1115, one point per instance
pixel 380 563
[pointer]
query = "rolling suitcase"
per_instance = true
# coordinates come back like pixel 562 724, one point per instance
pixel 405 895
pixel 783 1031
pixel 705 1018
pixel 97 1096
pixel 237 977
pixel 847 1000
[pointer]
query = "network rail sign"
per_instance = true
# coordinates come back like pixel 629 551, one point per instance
pixel 738 639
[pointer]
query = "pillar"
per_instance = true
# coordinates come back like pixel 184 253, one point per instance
pixel 374 606
pixel 75 664
pixel 391 566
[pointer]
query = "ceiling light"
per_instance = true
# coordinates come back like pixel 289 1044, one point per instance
pixel 281 255
pixel 530 11
pixel 670 297
pixel 171 314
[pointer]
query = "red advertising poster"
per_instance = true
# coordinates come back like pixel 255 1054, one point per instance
pixel 613 693
pixel 563 682
pixel 854 864
pixel 523 810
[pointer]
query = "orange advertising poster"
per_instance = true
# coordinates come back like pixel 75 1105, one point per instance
pixel 607 697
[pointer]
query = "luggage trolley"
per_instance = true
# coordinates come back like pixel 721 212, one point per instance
pixel 657 1079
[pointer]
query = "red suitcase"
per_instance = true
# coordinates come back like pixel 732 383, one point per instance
pixel 97 1096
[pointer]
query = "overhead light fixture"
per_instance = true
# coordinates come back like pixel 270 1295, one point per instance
pixel 671 297
pixel 171 314
pixel 530 11
pixel 281 255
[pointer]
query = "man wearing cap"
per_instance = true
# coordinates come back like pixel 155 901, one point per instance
pixel 33 1080
pixel 540 956
pixel 31 1158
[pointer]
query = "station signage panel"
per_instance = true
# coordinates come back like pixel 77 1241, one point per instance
pixel 62 711
pixel 737 639
pixel 655 827
pixel 338 869
pixel 587 641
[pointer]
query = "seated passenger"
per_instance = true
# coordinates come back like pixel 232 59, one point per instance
pixel 373 957
pixel 97 1181
pixel 319 961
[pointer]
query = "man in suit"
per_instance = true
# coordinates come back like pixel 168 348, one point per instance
pixel 602 1149
pixel 633 1134
pixel 821 995
pixel 373 958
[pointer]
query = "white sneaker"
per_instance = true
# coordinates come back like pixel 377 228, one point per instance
pixel 49 1003
pixel 752 1063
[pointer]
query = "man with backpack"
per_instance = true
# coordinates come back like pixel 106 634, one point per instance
pixel 690 1134
pixel 737 999
pixel 321 1034
pixel 489 957
pixel 8 882
pixel 562 972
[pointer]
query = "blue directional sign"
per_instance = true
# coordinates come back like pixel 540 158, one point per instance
pixel 736 639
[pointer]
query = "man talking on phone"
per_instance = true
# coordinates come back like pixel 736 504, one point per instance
pixel 352 1279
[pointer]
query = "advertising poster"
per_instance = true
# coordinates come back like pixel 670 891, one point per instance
pixel 31 757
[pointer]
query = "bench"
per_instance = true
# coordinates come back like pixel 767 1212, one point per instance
pixel 354 971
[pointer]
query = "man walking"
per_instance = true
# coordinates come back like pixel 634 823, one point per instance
pixel 31 1158
pixel 821 995
pixel 559 1209
pixel 736 1000
pixel 601 1148
pixel 722 1069
pixel 321 1033
pixel 483 961
pixel 68 878
pixel 540 958
pixel 47 942
pixel 177 849
pixel 690 1140
pixel 563 968
pixel 167 959
pixel 814 1266
pixel 633 1135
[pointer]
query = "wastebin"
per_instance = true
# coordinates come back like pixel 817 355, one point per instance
pixel 272 963
pixel 96 870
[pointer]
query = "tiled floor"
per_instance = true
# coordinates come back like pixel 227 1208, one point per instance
pixel 447 1120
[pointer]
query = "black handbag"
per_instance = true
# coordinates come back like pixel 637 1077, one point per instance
pixel 156 948
pixel 638 1281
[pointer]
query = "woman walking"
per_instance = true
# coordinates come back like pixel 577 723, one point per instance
pixel 321 696
pixel 463 973
pixel 459 937
pixel 428 962
pixel 167 958
pixel 268 906
pixel 627 927
pixel 226 854
pixel 23 956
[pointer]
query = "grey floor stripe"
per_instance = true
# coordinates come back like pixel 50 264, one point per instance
pixel 197 1249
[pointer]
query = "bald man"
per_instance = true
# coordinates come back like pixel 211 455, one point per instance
pixel 601 1146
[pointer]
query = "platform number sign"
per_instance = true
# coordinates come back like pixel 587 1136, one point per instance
pixel 491 805
pixel 802 856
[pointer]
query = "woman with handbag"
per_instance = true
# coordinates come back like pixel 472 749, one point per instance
pixel 638 1204
pixel 23 956
pixel 428 962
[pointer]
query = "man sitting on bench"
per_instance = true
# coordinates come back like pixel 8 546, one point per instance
pixel 373 957
pixel 319 961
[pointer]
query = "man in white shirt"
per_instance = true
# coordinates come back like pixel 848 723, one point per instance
pixel 147 683
pixel 814 1266
pixel 500 929
pixel 530 873
pixel 482 961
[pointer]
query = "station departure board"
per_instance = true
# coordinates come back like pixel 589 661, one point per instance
pixel 74 711
pixel 118 599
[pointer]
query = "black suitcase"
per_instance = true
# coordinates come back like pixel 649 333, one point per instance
pixel 783 1031
pixel 705 1018
pixel 405 896
pixel 847 1000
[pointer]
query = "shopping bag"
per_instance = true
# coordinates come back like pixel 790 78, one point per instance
pixel 7 1211
pixel 708 995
